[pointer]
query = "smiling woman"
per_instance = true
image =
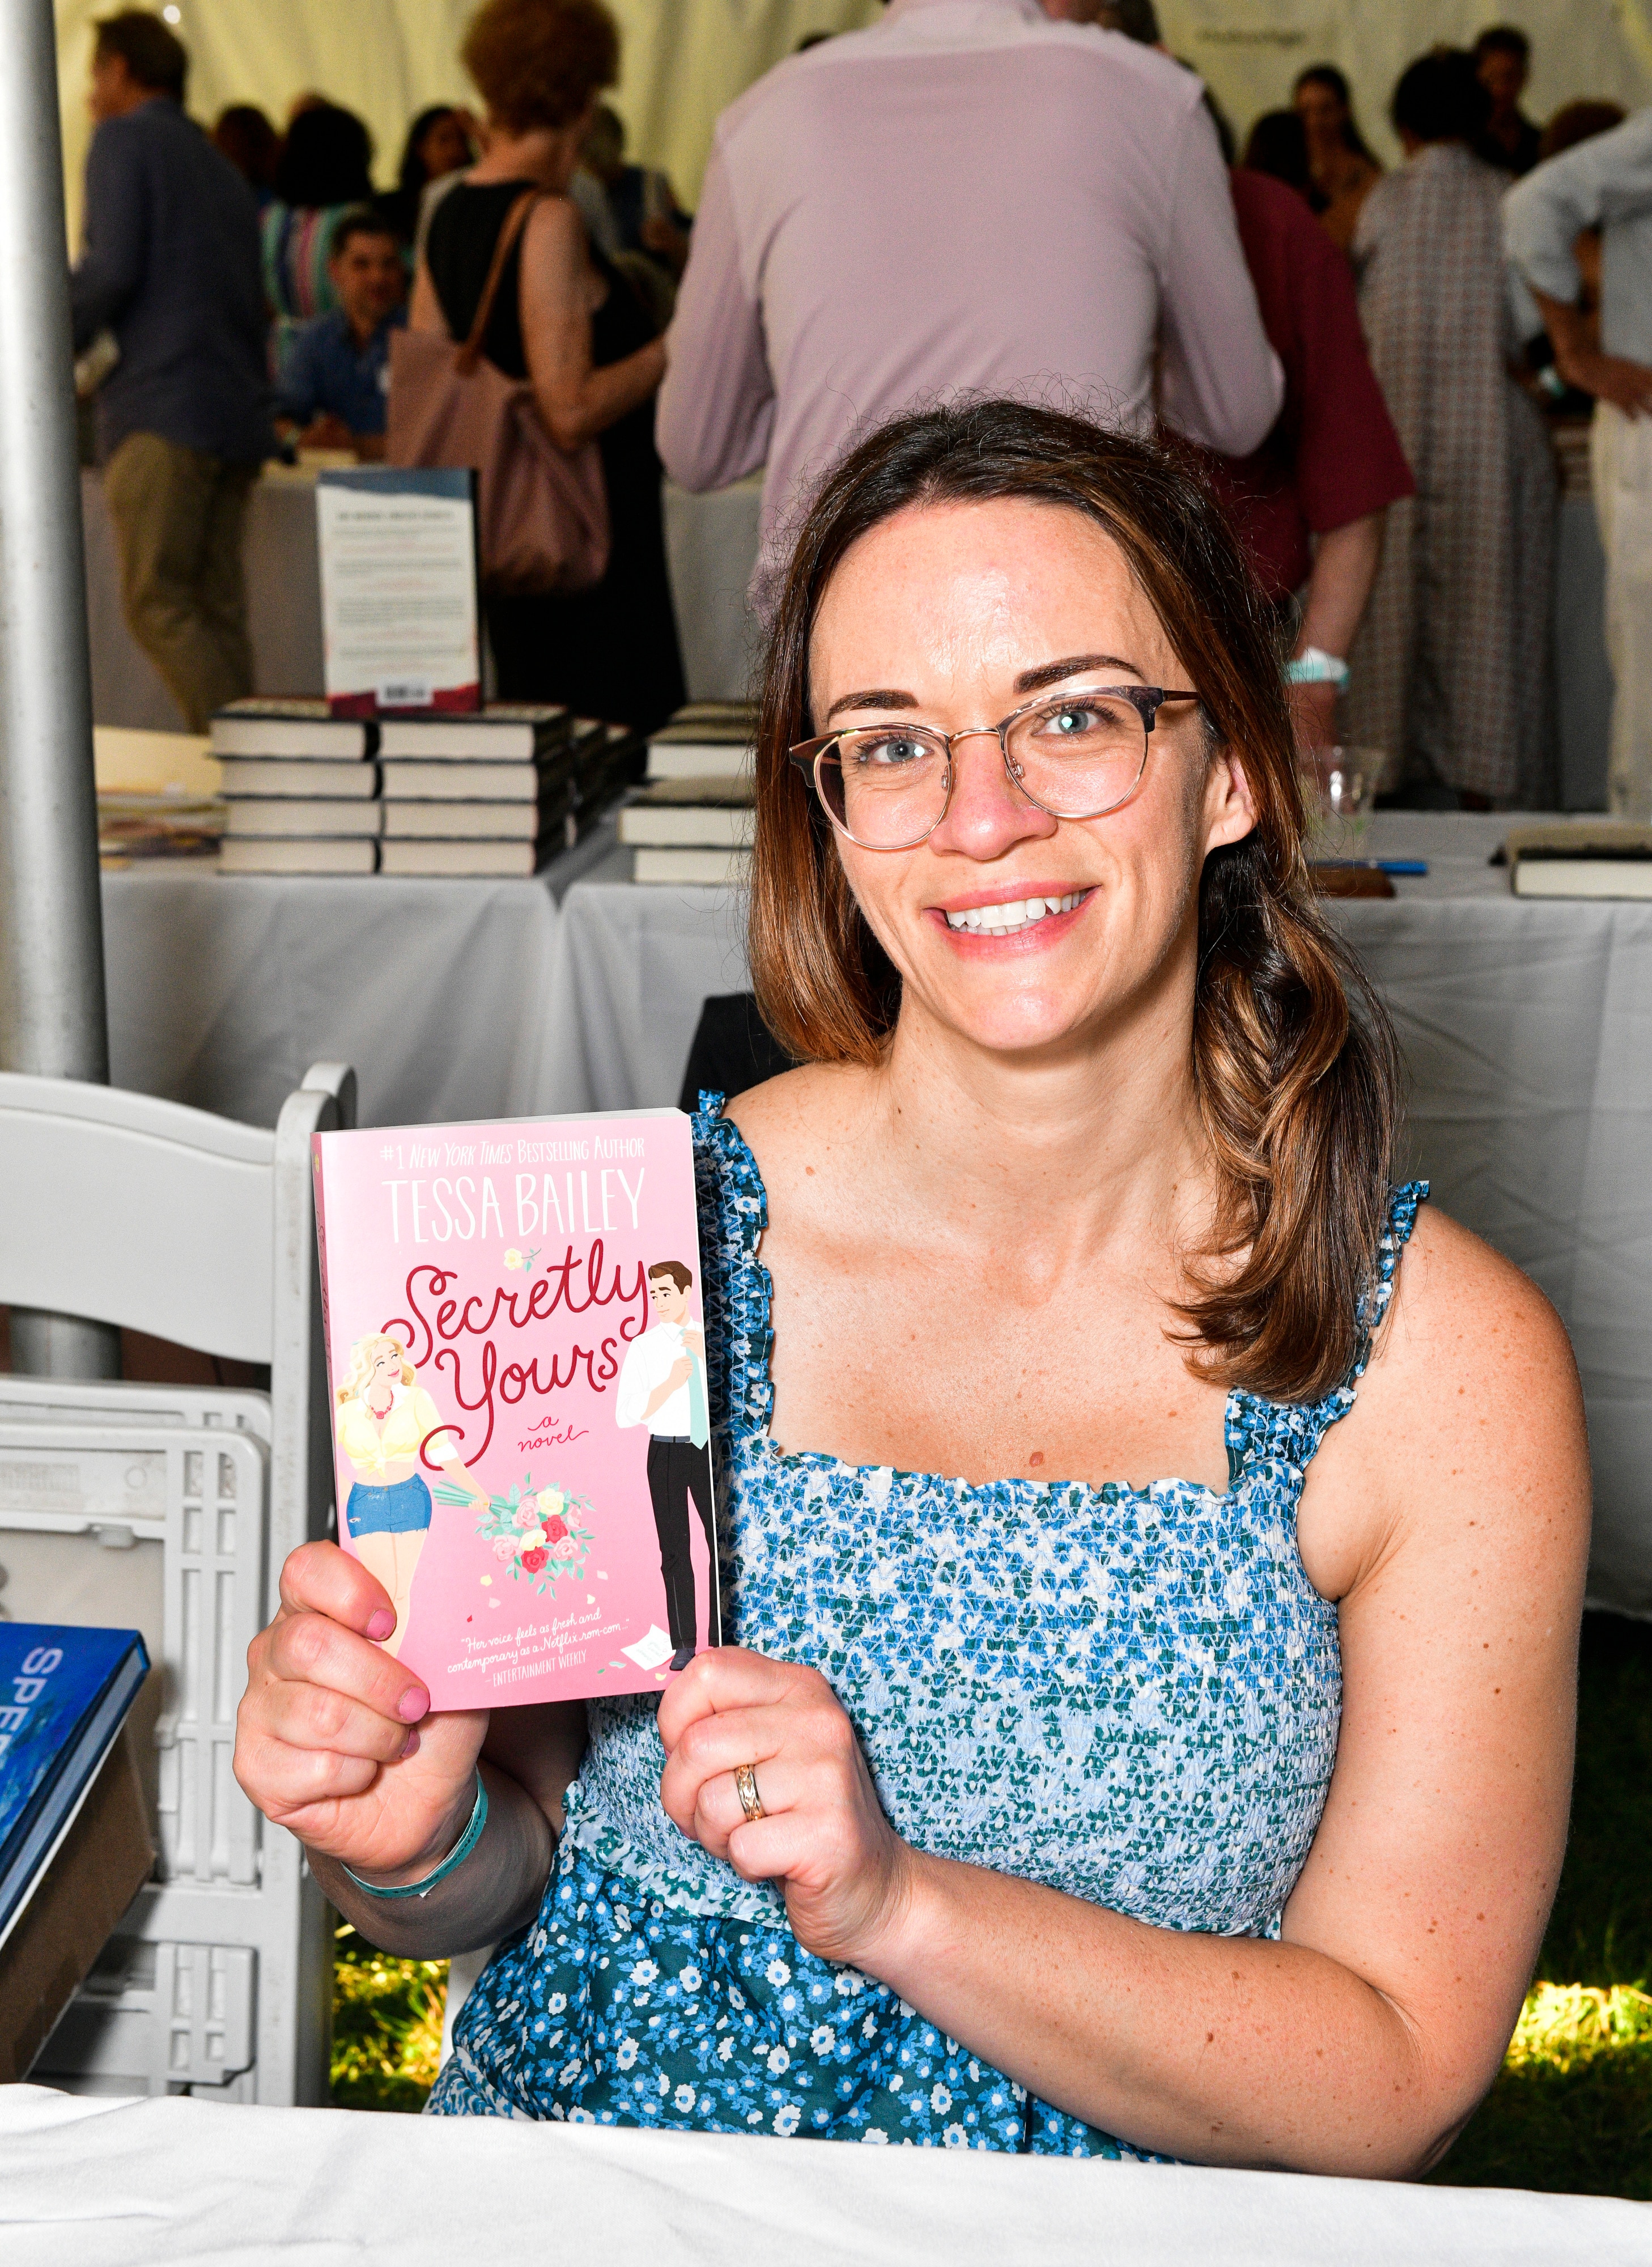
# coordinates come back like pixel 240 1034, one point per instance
pixel 1038 1801
pixel 1024 509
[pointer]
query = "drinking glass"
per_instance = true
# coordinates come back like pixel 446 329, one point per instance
pixel 1339 793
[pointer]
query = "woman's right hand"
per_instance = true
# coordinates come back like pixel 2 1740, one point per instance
pixel 325 1741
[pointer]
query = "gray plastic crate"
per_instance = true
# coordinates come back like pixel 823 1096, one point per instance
pixel 123 1516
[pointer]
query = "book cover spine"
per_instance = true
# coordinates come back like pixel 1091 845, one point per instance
pixel 317 1176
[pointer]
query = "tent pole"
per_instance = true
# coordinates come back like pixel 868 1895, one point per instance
pixel 52 1018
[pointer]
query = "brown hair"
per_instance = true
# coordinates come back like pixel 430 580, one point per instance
pixel 362 221
pixel 540 63
pixel 1293 1056
pixel 154 59
pixel 675 1269
pixel 1575 122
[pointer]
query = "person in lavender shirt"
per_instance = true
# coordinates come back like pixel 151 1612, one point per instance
pixel 983 195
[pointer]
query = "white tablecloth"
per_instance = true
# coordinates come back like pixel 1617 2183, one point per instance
pixel 223 989
pixel 1527 1027
pixel 165 2184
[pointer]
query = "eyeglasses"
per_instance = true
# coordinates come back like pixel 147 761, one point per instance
pixel 1075 755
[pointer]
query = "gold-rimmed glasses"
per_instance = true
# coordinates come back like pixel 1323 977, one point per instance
pixel 1075 755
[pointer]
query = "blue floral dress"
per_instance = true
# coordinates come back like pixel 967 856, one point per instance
pixel 1131 1694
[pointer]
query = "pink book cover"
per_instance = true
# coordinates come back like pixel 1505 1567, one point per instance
pixel 517 1384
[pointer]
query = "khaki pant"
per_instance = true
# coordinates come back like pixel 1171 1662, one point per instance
pixel 178 514
pixel 1620 468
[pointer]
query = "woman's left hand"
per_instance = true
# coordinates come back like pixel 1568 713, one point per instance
pixel 845 1873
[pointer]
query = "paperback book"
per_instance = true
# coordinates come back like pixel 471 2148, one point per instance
pixel 516 1353
pixel 401 611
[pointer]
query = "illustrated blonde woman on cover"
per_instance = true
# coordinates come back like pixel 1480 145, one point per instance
pixel 384 1420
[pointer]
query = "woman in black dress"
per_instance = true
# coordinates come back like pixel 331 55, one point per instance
pixel 568 321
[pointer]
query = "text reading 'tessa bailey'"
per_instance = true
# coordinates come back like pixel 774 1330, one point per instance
pixel 460 1209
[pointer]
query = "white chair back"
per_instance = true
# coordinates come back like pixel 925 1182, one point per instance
pixel 145 1214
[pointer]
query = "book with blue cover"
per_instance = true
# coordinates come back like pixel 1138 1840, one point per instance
pixel 64 1693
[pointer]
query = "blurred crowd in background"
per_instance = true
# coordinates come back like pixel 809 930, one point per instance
pixel 1371 362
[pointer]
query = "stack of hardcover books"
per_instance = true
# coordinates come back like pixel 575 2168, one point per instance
pixel 491 793
pixel 691 822
pixel 498 792
pixel 301 787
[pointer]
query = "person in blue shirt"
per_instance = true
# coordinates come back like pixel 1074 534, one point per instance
pixel 170 267
pixel 334 387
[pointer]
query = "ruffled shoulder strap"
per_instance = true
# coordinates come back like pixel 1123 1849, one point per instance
pixel 1260 1430
pixel 733 1213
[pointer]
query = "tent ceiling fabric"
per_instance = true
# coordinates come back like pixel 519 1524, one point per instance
pixel 1250 51
pixel 686 59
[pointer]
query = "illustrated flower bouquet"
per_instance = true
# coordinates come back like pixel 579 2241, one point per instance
pixel 542 1534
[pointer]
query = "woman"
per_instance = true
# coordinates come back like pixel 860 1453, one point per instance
pixel 325 170
pixel 1452 670
pixel 251 143
pixel 1277 145
pixel 1344 169
pixel 564 318
pixel 384 1420
pixel 438 145
pixel 1051 1805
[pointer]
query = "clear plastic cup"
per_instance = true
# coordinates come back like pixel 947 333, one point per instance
pixel 1339 793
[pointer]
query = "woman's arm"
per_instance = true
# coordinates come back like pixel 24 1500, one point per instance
pixel 326 1745
pixel 462 1478
pixel 1344 563
pixel 1454 1511
pixel 576 401
pixel 424 309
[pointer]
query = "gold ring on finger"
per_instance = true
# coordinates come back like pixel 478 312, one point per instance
pixel 745 1787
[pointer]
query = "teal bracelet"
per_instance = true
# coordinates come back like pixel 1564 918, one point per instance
pixel 1314 666
pixel 455 1857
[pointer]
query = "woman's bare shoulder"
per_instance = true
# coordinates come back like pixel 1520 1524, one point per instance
pixel 1463 1311
pixel 792 1124
pixel 1467 1435
pixel 1473 1386
pixel 554 232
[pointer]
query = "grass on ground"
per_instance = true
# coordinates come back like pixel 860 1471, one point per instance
pixel 1572 2107
pixel 386 2025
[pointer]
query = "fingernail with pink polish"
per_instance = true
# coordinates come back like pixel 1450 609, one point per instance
pixel 413 1705
pixel 411 1747
pixel 381 1624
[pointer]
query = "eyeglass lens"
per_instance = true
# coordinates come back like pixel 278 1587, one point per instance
pixel 887 784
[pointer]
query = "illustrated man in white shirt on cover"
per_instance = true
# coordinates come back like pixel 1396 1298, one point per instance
pixel 663 1386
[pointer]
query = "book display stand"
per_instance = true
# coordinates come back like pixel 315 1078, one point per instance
pixel 171 1509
